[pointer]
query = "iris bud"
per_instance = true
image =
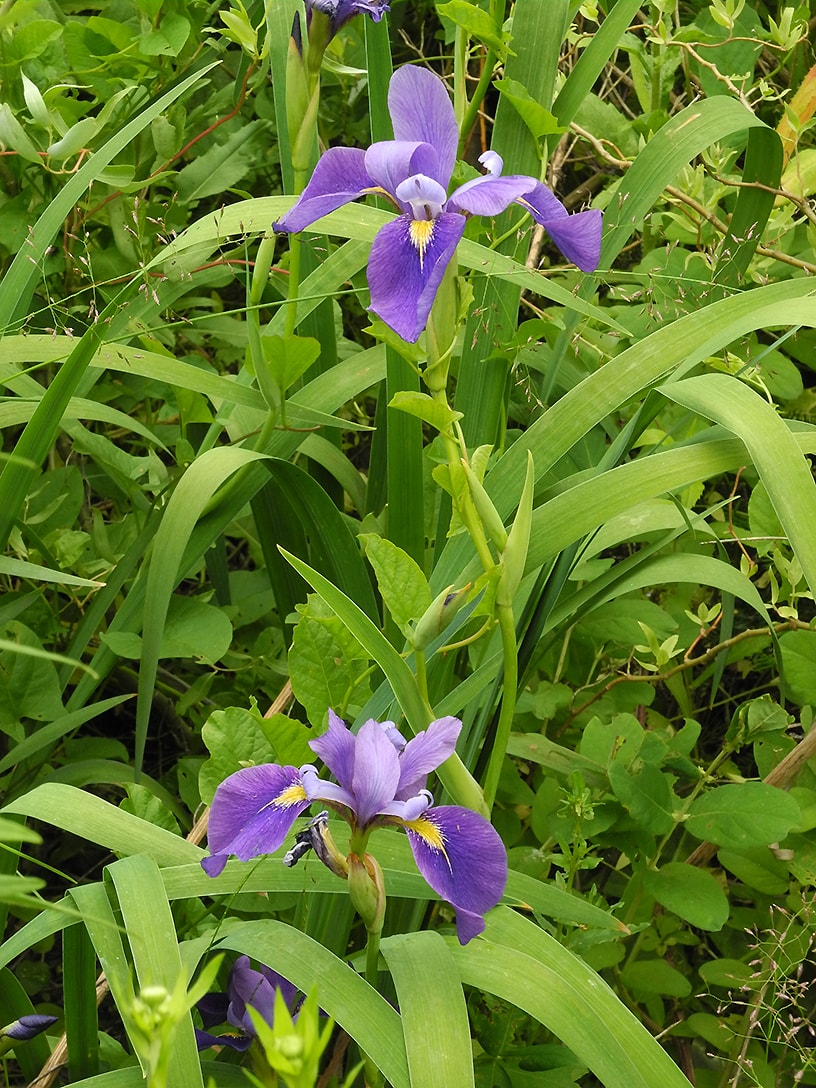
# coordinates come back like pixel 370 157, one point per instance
pixel 438 615
pixel 367 891
pixel 489 515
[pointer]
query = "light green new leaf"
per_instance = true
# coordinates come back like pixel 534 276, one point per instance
pixel 403 586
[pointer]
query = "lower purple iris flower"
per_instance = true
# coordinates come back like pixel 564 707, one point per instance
pixel 246 987
pixel 410 254
pixel 380 782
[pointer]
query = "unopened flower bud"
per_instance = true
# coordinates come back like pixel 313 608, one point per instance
pixel 438 615
pixel 367 891
pixel 488 514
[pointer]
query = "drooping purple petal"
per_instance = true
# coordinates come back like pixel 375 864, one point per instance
pixel 336 748
pixel 239 1042
pixel 249 987
pixel 421 110
pixel 376 772
pixel 252 812
pixel 578 236
pixel 339 177
pixel 463 859
pixel 213 1008
pixel 389 162
pixel 423 754
pixel 490 195
pixel 402 285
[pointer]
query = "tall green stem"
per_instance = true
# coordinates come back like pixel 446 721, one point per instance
pixel 507 626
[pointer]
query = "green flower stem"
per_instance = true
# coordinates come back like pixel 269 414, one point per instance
pixel 472 112
pixel 507 627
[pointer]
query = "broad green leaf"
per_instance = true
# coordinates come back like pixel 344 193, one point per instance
pixel 799 662
pixel 327 666
pixel 403 586
pixel 29 685
pixel 646 793
pixel 772 448
pixel 693 894
pixel 539 121
pixel 522 964
pixel 95 820
pixel 194 629
pixel 342 993
pixel 432 1008
pixel 655 977
pixel 748 814
pixel 730 974
pixel 475 21
pixel 236 737
pixel 757 867
pixel 433 412
pixel 289 357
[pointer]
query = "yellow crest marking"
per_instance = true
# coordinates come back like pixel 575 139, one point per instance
pixel 421 232
pixel 430 834
pixel 290 796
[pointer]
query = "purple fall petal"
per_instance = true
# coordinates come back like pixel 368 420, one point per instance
pixel 463 859
pixel 249 987
pixel 578 236
pixel 252 812
pixel 205 1039
pixel 421 110
pixel 213 1008
pixel 339 177
pixel 424 753
pixel 490 195
pixel 402 287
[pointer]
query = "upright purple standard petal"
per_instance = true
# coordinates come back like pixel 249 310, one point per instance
pixel 389 162
pixel 463 859
pixel 376 772
pixel 421 110
pixel 252 812
pixel 423 754
pixel 256 988
pixel 578 236
pixel 406 267
pixel 336 748
pixel 339 177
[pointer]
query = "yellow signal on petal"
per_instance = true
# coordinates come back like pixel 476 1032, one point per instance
pixel 290 796
pixel 430 834
pixel 421 233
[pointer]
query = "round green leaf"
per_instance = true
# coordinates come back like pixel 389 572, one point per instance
pixel 750 814
pixel 692 894
pixel 655 977
pixel 757 868
pixel 729 974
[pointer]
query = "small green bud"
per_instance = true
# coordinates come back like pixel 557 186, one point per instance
pixel 438 615
pixel 489 515
pixel 367 891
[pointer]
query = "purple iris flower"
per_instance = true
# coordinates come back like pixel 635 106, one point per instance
pixel 26 1027
pixel 340 11
pixel 410 254
pixel 380 783
pixel 246 987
